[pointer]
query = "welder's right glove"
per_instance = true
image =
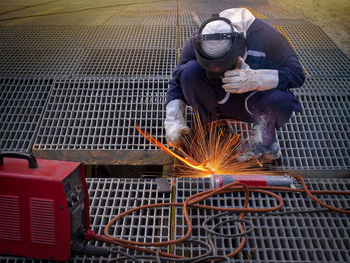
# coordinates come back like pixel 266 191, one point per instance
pixel 175 123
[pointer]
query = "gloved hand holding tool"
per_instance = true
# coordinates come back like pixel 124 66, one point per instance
pixel 175 123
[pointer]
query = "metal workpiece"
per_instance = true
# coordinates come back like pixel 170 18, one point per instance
pixel 282 236
pixel 131 36
pixel 22 102
pixel 145 63
pixel 38 63
pixel 93 121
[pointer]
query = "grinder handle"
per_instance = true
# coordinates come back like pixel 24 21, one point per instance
pixel 30 158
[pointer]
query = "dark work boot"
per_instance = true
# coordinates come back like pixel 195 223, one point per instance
pixel 256 148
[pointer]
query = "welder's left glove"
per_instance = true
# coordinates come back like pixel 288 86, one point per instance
pixel 244 80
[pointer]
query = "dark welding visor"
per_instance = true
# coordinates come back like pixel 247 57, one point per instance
pixel 216 67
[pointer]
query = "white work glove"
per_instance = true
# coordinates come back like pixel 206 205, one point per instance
pixel 244 80
pixel 175 123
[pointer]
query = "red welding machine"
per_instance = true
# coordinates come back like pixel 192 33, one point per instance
pixel 44 206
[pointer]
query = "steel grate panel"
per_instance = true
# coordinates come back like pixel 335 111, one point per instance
pixel 156 37
pixel 309 37
pixel 331 86
pixel 185 33
pixel 312 237
pixel 22 102
pixel 186 19
pixel 127 63
pixel 35 63
pixel 149 18
pixel 318 138
pixel 110 197
pixel 42 38
pixel 274 13
pixel 161 6
pixel 91 114
pixel 86 18
pixel 322 62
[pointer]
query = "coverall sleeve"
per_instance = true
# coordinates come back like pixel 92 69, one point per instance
pixel 281 54
pixel 174 88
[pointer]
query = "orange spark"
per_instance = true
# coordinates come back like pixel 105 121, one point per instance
pixel 210 149
pixel 190 163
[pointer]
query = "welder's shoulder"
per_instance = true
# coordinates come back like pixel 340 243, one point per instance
pixel 263 30
pixel 263 36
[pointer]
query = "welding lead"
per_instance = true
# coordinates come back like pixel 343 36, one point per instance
pixel 252 180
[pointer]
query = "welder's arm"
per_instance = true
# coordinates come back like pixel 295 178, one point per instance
pixel 175 122
pixel 280 53
pixel 244 80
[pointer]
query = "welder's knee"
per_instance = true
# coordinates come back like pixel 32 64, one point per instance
pixel 279 105
pixel 192 77
pixel 280 100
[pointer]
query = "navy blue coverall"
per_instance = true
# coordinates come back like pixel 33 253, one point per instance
pixel 266 49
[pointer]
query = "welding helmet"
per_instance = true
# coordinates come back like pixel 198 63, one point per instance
pixel 218 46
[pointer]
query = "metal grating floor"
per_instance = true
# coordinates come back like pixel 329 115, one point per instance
pixel 126 63
pixel 154 37
pixel 294 237
pixel 45 37
pixel 22 102
pixel 316 51
pixel 318 137
pixel 100 115
pixel 38 63
pixel 110 197
pixel 309 37
pixel 148 18
pixel 320 62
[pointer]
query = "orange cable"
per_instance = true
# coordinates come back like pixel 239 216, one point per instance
pixel 193 201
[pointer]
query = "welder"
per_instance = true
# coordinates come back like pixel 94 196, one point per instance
pixel 236 67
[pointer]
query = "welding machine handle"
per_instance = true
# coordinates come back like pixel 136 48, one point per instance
pixel 30 158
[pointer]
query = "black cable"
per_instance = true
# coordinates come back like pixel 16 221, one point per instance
pixel 227 259
pixel 82 10
pixel 211 230
pixel 165 259
pixel 96 251
pixel 125 256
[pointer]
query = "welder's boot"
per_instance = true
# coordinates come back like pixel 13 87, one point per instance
pixel 263 143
